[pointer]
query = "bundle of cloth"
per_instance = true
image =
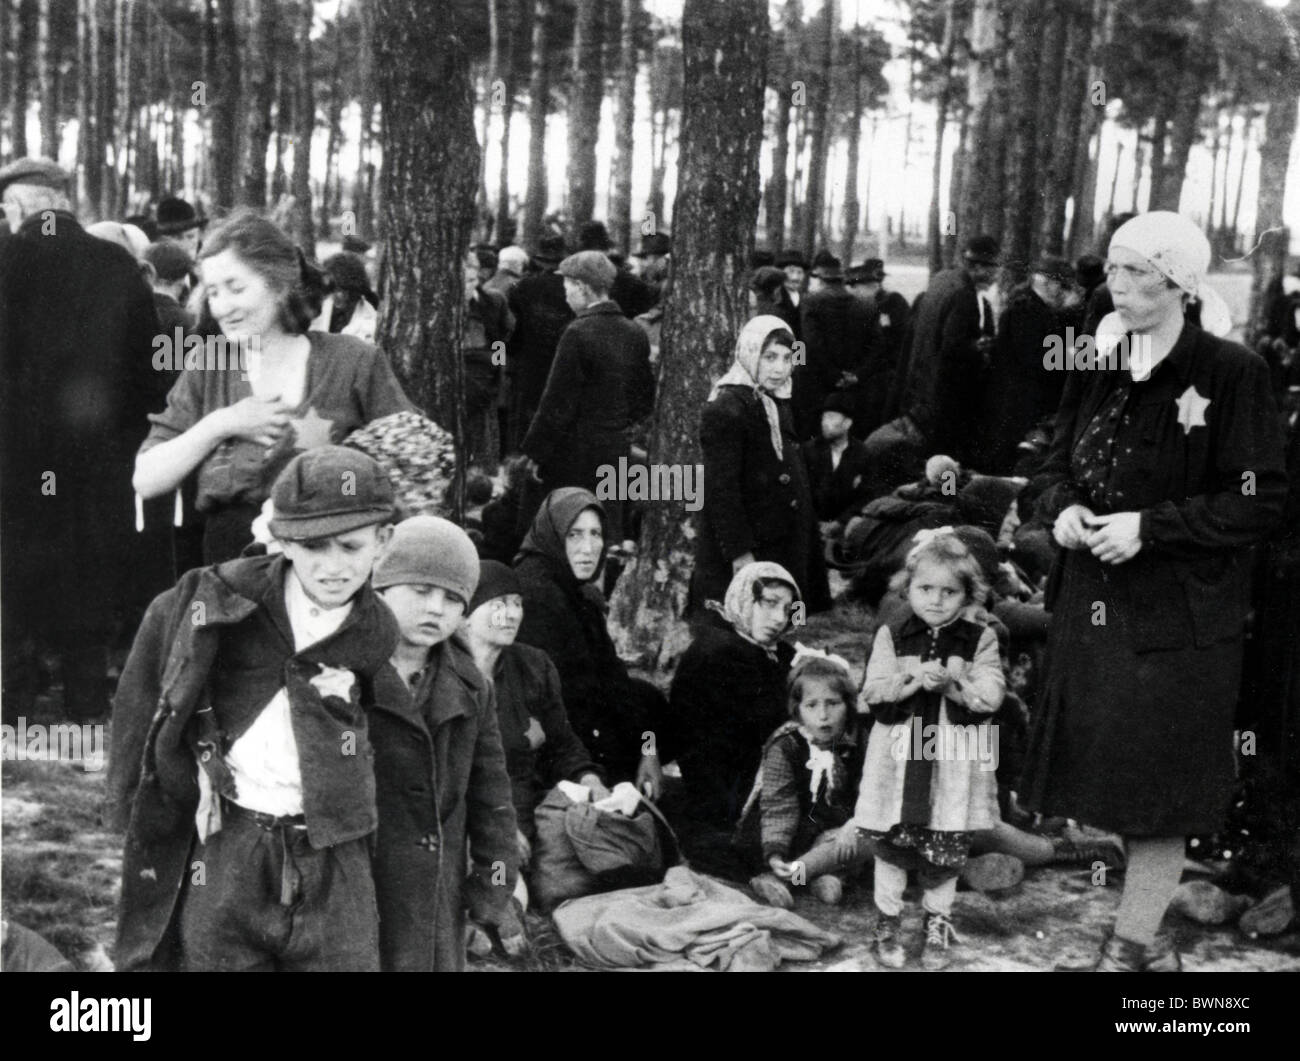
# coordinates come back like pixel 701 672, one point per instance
pixel 689 921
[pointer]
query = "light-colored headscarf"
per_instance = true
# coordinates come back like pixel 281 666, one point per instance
pixel 738 605
pixel 744 371
pixel 128 237
pixel 1178 249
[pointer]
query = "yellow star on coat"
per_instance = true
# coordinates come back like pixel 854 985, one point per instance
pixel 1191 409
pixel 312 430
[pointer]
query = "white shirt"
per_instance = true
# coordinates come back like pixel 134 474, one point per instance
pixel 264 760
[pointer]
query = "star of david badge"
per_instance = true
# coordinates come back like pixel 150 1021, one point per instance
pixel 313 430
pixel 1191 409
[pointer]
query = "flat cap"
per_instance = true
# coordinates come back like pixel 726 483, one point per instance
pixel 591 267
pixel 43 171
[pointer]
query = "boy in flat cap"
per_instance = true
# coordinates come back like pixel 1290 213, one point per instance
pixel 600 386
pixel 241 763
pixel 439 763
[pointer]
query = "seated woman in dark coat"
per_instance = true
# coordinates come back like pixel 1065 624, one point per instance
pixel 540 745
pixel 758 505
pixel 614 715
pixel 727 697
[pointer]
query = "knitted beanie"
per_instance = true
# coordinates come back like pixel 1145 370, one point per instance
pixel 495 579
pixel 429 551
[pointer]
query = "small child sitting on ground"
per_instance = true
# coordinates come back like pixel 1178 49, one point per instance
pixel 808 785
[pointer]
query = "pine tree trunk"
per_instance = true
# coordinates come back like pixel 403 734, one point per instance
pixel 584 111
pixel 724 44
pixel 88 164
pixel 620 211
pixel 1022 173
pixel 330 201
pixel 775 193
pixel 283 130
pixel 45 83
pixel 510 21
pixel 539 93
pixel 430 173
pixel 261 99
pixel 985 125
pixel 122 109
pixel 21 42
pixel 1062 130
pixel 304 124
pixel 1199 66
pixel 223 93
pixel 853 208
pixel 1272 237
pixel 935 229
pixel 1092 109
pixel 362 200
pixel 1246 125
pixel 820 129
pixel 798 142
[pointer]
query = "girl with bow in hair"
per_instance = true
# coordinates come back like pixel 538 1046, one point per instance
pixel 932 678
pixel 242 410
pixel 808 784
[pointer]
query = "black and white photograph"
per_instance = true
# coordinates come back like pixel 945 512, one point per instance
pixel 561 486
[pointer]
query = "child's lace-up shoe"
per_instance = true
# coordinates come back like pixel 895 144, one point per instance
pixel 939 939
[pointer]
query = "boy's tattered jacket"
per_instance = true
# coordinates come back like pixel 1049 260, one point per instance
pixel 153 789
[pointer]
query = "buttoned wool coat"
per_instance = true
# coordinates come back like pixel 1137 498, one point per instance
pixel 1134 727
pixel 441 780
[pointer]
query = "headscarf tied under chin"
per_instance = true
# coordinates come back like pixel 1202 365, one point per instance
pixel 551 526
pixel 738 606
pixel 744 371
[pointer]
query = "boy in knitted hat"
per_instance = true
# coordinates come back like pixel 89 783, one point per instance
pixel 240 743
pixel 439 763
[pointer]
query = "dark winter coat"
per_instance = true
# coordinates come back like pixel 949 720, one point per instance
pixel 841 334
pixel 754 501
pixel 1020 392
pixel 441 779
pixel 600 385
pixel 840 491
pixel 1135 723
pixel 541 315
pixel 727 697
pixel 565 618
pixel 527 687
pixel 945 369
pixel 77 324
pixel 894 317
pixel 153 789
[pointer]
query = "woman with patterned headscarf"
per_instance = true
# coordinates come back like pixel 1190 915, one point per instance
pixel 757 499
pixel 1167 468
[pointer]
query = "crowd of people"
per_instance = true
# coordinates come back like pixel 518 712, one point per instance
pixel 348 713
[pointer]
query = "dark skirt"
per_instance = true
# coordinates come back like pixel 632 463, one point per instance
pixel 1138 743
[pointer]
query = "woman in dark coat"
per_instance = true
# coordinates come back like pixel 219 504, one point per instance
pixel 727 697
pixel 1161 479
pixel 758 503
pixel 615 716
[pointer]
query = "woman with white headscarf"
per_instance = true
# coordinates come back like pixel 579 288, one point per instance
pixel 1166 468
pixel 757 500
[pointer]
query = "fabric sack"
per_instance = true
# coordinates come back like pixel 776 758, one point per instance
pixel 582 849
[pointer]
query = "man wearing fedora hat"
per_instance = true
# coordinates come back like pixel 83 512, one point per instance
pixel 952 334
pixel 541 314
pixel 178 220
pixel 867 282
pixel 77 324
pixel 1021 392
pixel 841 344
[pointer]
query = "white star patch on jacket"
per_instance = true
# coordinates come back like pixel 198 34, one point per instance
pixel 1191 409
